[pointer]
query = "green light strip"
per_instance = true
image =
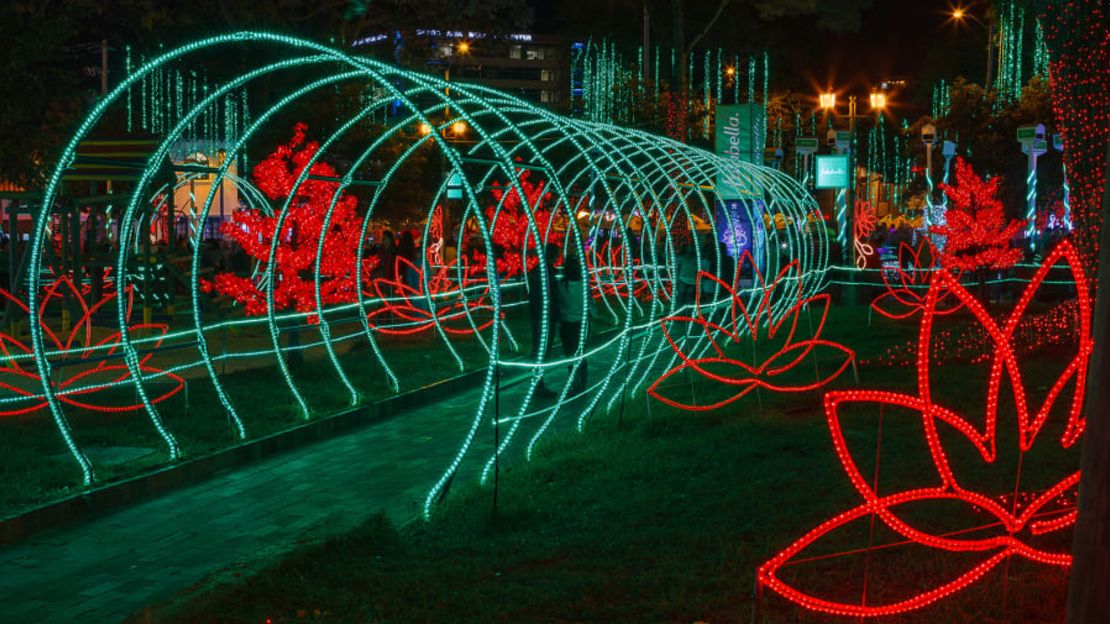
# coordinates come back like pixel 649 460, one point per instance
pixel 620 176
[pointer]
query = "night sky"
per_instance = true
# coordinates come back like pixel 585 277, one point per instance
pixel 904 39
pixel 898 39
pixel 907 39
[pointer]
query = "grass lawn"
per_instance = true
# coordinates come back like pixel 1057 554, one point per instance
pixel 666 517
pixel 35 467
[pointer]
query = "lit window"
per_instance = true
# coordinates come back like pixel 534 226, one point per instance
pixel 547 75
pixel 515 51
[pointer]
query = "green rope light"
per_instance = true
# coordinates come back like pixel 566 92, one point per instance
pixel 633 175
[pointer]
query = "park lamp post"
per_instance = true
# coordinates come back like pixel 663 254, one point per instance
pixel 843 143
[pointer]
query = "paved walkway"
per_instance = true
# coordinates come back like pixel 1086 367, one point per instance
pixel 112 567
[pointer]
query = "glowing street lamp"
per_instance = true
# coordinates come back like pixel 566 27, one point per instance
pixel 425 128
pixel 463 47
pixel 828 101
pixel 959 14
pixel 458 128
pixel 878 101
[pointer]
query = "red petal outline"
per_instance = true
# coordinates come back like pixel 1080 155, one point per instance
pixel 944 284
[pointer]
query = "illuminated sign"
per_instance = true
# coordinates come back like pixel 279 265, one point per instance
pixel 832 171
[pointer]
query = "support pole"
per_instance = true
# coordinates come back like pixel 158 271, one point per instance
pixel 929 188
pixel 1031 202
pixel 842 236
pixel 496 436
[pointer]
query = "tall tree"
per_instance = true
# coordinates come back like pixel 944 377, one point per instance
pixel 1077 33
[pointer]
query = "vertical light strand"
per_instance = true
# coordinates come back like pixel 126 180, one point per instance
pixel 766 77
pixel 720 77
pixel 144 122
pixel 751 80
pixel 127 74
pixel 707 93
pixel 244 123
pixel 736 78
pixel 1040 51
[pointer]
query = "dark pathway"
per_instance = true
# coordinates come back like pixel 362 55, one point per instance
pixel 114 566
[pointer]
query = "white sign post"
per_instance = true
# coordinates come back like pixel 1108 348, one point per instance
pixel 1033 144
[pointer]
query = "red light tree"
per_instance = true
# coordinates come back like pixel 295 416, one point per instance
pixel 295 259
pixel 978 232
pixel 1077 33
pixel 510 223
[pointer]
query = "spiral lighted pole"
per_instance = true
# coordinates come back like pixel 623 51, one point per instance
pixel 1033 144
pixel 632 176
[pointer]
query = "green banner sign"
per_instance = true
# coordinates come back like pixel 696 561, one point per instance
pixel 741 136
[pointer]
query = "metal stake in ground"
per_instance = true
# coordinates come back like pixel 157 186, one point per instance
pixel 496 434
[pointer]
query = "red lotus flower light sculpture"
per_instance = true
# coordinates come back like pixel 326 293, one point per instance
pixel 906 298
pixel 97 368
pixel 776 323
pixel 863 226
pixel 610 276
pixel 407 305
pixel 1019 526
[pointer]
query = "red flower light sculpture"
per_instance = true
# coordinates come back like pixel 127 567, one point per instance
pixel 915 268
pixel 767 325
pixel 408 304
pixel 864 226
pixel 610 277
pixel 1017 528
pixel 97 371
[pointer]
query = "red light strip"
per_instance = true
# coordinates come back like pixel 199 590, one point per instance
pixel 763 374
pixel 996 548
pixel 407 303
pixel 903 301
pixel 79 341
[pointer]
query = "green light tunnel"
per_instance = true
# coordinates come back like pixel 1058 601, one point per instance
pixel 616 193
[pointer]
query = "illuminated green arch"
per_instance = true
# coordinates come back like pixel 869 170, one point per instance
pixel 635 175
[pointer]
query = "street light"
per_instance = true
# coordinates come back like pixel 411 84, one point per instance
pixel 958 15
pixel 828 100
pixel 463 48
pixel 458 128
pixel 878 101
pixel 425 128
